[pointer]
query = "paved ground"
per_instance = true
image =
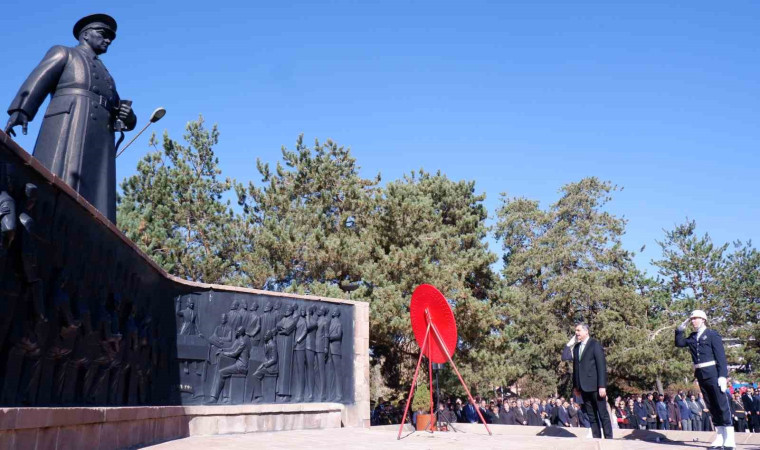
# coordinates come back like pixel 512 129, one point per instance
pixel 349 438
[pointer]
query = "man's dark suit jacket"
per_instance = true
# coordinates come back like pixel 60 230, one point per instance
pixel 573 414
pixel 519 416
pixel 554 415
pixel 534 418
pixel 508 417
pixel 590 373
pixel 651 410
pixel 562 416
pixel 640 410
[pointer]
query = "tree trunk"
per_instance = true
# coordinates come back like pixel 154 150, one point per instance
pixel 659 385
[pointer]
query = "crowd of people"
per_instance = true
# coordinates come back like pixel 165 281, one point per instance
pixel 677 411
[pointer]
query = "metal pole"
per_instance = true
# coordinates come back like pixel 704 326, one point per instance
pixel 437 388
pixel 133 139
pixel 431 425
pixel 461 380
pixel 414 382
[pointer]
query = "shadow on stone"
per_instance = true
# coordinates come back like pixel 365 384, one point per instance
pixel 556 432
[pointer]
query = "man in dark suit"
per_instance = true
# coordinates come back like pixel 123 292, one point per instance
pixel 711 371
pixel 520 418
pixel 534 416
pixel 470 413
pixel 651 407
pixel 590 378
pixel 641 413
pixel 507 415
pixel 563 417
pixel 749 407
pixel 572 412
pixel 755 407
pixel 662 414
pixel 76 138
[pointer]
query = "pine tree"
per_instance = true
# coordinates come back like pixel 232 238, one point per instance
pixel 566 265
pixel 173 208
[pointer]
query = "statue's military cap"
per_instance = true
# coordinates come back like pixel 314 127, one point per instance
pixel 96 21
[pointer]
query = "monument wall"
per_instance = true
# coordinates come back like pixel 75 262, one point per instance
pixel 87 319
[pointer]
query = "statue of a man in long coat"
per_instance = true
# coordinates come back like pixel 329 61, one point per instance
pixel 76 140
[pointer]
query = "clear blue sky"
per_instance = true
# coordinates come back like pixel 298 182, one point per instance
pixel 659 97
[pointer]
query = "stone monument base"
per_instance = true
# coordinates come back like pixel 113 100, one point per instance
pixel 125 427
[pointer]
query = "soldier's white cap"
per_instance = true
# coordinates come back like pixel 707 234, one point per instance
pixel 698 313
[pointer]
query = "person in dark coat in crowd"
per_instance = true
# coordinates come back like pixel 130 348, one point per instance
pixel 651 407
pixel 684 411
pixel 548 412
pixel 696 413
pixel 583 418
pixel 751 401
pixel 707 419
pixel 756 408
pixel 485 411
pixel 563 417
pixel 663 422
pixel 534 417
pixel 499 417
pixel 520 418
pixel 470 415
pixel 633 419
pixel 459 411
pixel 739 414
pixel 445 416
pixel 508 415
pixel 674 414
pixel 640 409
pixel 572 411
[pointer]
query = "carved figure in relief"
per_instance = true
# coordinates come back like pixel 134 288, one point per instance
pixel 323 323
pixel 239 352
pixel 299 357
pixel 286 328
pixel 335 338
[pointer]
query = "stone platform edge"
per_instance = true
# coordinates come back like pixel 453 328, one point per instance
pixel 126 427
pixel 554 431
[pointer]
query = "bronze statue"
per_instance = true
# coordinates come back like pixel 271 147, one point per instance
pixel 76 140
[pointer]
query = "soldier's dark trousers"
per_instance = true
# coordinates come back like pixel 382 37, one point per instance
pixel 717 402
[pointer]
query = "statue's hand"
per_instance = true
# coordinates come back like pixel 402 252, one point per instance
pixel 125 110
pixel 17 118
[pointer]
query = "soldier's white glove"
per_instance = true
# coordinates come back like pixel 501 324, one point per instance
pixel 571 342
pixel 722 383
pixel 684 324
